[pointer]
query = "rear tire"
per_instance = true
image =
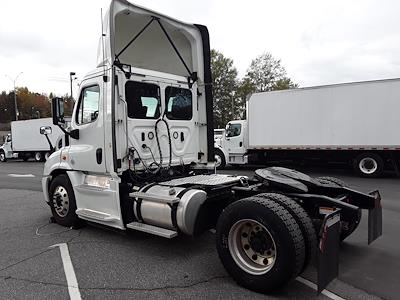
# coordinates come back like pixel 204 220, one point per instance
pixel 369 165
pixel 260 244
pixel 220 161
pixel 2 156
pixel 62 202
pixel 38 156
pixel 303 220
pixel 46 156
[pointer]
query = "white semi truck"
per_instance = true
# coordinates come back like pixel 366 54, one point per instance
pixel 139 155
pixel 26 140
pixel 355 123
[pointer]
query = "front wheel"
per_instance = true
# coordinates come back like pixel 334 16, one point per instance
pixel 3 156
pixel 260 244
pixel 62 201
pixel 219 159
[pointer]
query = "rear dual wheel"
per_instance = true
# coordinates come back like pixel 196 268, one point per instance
pixel 260 244
pixel 41 156
pixel 369 165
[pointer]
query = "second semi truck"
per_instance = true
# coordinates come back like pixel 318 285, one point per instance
pixel 355 123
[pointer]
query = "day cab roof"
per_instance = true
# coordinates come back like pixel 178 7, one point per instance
pixel 151 49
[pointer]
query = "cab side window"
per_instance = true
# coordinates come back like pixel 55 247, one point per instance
pixel 143 100
pixel 88 109
pixel 233 130
pixel 178 103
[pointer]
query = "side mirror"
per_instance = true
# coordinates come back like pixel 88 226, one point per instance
pixel 58 110
pixel 45 130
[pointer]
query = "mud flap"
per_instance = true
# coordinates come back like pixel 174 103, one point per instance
pixel 375 218
pixel 328 250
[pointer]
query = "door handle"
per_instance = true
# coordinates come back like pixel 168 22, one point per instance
pixel 99 155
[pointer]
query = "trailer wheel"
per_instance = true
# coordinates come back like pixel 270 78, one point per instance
pixel 260 244
pixel 38 156
pixel 347 226
pixel 219 159
pixel 62 201
pixel 369 165
pixel 3 156
pixel 303 220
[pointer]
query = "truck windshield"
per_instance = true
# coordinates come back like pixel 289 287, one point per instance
pixel 233 130
pixel 143 100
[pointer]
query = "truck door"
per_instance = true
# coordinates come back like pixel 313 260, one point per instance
pixel 234 138
pixel 87 153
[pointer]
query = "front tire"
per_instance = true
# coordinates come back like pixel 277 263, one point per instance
pixel 62 201
pixel 3 156
pixel 220 161
pixel 260 244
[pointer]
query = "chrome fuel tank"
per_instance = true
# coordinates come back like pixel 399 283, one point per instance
pixel 155 207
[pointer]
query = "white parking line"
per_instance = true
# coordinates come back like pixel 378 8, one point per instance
pixel 21 175
pixel 314 287
pixel 73 288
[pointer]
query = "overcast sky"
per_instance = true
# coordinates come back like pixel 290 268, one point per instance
pixel 319 42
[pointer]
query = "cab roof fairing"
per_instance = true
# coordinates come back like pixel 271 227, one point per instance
pixel 151 50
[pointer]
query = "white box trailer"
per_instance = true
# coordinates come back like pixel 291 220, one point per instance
pixel 26 141
pixel 355 122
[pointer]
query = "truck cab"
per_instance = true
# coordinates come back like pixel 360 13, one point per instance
pixel 139 155
pixel 232 147
pixel 6 151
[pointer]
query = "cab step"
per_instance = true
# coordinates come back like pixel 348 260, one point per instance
pixel 165 233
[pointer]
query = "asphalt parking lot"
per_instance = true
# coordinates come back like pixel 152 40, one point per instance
pixel 135 265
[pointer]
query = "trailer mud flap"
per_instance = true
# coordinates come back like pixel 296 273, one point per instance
pixel 328 250
pixel 375 218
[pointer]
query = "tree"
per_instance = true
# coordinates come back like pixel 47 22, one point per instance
pixel 267 74
pixel 224 89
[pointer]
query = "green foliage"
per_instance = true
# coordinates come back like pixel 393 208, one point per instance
pixel 224 88
pixel 230 93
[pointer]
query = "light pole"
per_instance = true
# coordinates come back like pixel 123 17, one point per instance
pixel 70 79
pixel 15 95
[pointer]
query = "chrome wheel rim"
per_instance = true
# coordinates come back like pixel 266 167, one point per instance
pixel 368 165
pixel 252 247
pixel 2 157
pixel 218 160
pixel 61 201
